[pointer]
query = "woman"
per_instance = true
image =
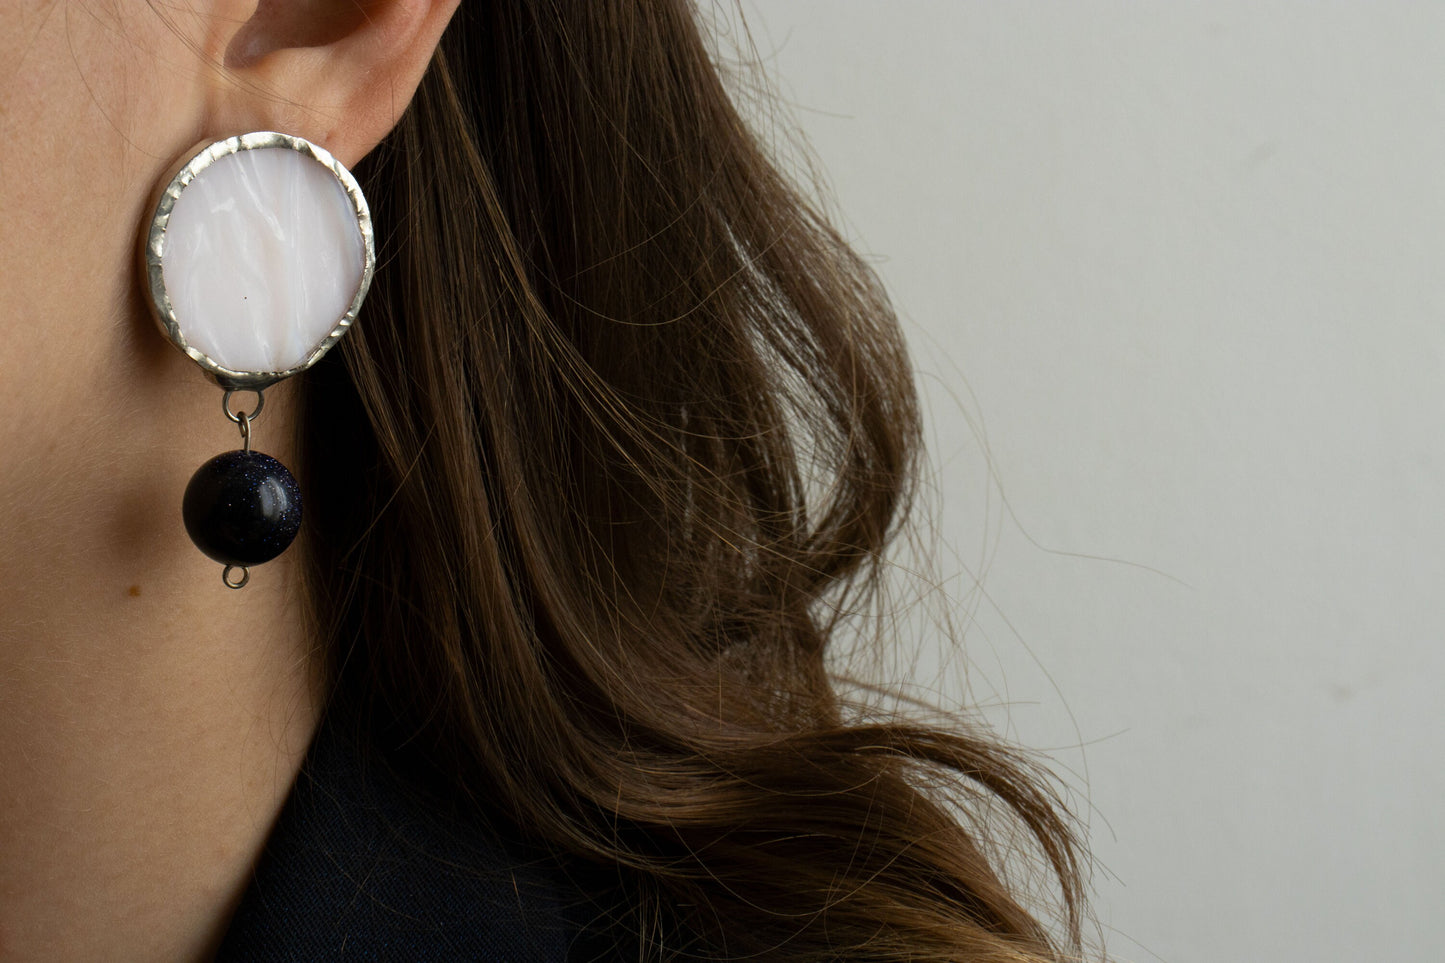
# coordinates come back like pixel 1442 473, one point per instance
pixel 610 458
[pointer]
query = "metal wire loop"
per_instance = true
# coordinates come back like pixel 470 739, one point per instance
pixel 245 576
pixel 246 431
pixel 253 415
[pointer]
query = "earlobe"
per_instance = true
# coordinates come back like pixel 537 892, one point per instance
pixel 337 72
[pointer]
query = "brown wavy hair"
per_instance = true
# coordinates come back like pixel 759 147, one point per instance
pixel 613 456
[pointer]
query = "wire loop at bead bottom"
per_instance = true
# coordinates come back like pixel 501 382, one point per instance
pixel 245 576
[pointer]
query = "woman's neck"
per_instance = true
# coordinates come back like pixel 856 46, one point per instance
pixel 151 720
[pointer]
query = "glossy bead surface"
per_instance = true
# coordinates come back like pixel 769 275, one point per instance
pixel 242 508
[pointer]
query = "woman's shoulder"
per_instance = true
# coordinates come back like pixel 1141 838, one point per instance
pixel 361 866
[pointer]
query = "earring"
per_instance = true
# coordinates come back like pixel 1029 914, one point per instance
pixel 256 259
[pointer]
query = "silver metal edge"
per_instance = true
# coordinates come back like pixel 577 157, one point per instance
pixel 154 250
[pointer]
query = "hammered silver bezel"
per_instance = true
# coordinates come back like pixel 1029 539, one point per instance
pixel 153 251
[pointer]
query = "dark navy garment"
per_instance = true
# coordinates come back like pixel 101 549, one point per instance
pixel 360 868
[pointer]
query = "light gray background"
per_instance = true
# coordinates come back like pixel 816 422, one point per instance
pixel 1173 273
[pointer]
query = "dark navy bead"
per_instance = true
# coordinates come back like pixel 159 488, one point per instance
pixel 242 508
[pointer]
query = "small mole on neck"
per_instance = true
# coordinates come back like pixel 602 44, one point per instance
pixel 134 591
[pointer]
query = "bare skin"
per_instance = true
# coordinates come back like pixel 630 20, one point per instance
pixel 151 720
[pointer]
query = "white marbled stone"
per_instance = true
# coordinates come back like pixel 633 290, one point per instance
pixel 262 257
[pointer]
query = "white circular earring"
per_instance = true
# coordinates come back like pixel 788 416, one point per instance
pixel 257 256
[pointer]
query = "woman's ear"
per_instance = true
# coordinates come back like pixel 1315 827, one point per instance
pixel 336 72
